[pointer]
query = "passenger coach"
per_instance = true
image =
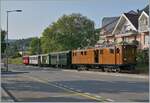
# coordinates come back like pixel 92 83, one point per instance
pixel 34 60
pixel 25 60
pixel 61 59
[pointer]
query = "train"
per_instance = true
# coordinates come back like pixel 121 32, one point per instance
pixel 111 58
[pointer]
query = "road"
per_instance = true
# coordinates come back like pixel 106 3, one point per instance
pixel 45 84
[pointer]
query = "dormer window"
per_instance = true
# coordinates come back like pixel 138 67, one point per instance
pixel 143 22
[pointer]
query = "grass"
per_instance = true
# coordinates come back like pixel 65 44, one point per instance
pixel 15 60
pixel 142 68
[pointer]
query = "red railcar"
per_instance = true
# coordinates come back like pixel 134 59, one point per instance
pixel 26 60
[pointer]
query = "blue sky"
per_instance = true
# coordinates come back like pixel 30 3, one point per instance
pixel 38 14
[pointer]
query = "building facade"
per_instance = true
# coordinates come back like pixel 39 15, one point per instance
pixel 129 27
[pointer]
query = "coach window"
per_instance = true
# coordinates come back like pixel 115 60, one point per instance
pixel 75 54
pixel 101 51
pixel 111 51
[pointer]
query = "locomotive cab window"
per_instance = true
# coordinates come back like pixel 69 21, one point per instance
pixel 73 54
pixel 117 50
pixel 101 51
pixel 111 51
pixel 85 53
pixel 81 53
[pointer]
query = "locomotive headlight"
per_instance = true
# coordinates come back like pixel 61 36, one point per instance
pixel 125 59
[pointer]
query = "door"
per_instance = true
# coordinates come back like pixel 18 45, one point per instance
pixel 96 56
pixel 117 55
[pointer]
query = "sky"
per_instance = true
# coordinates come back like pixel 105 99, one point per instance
pixel 36 15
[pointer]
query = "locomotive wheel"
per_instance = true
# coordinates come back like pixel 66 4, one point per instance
pixel 82 68
pixel 106 69
pixel 118 70
pixel 103 70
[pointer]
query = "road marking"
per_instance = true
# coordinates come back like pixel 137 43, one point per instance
pixel 87 95
pixel 110 100
pixel 79 90
pixel 12 98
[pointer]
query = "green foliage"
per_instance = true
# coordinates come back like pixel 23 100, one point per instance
pixel 16 54
pixel 142 68
pixel 13 51
pixel 68 32
pixel 142 61
pixel 3 44
pixel 23 44
pixel 15 60
pixel 142 57
pixel 35 46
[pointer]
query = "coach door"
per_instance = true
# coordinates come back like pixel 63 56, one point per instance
pixel 96 56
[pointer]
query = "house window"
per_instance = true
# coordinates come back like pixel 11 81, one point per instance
pixel 146 39
pixel 126 39
pixel 146 22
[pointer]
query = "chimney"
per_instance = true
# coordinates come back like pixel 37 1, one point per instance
pixel 138 10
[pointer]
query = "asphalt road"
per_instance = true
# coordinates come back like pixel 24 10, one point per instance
pixel 45 84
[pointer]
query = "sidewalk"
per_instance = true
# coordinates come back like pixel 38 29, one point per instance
pixel 5 97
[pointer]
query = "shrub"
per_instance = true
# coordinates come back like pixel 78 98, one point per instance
pixel 142 61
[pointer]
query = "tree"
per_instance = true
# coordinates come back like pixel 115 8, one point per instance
pixel 68 32
pixel 35 46
pixel 3 44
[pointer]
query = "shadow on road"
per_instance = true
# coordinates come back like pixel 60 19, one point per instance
pixel 98 86
pixel 12 72
pixel 56 99
pixel 29 90
pixel 91 86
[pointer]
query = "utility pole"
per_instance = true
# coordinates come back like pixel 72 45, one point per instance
pixel 39 51
pixel 7 37
pixel 7 44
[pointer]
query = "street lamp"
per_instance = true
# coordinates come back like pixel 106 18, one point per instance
pixel 7 37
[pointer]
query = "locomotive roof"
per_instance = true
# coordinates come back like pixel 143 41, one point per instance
pixel 103 46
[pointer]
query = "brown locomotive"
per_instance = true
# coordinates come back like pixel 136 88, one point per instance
pixel 111 58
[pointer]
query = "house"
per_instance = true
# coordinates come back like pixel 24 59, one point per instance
pixel 108 24
pixel 143 28
pixel 129 27
pixel 126 28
